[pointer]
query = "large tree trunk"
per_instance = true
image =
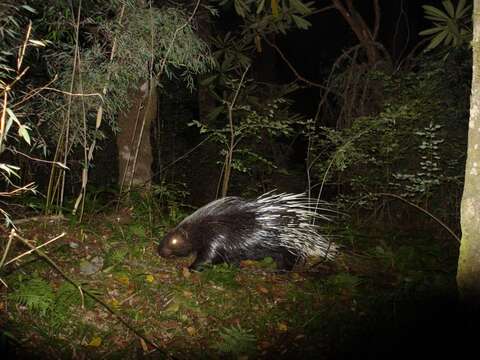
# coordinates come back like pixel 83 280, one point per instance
pixel 133 141
pixel 468 275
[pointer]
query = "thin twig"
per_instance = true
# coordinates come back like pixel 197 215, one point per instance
pixel 18 190
pixel 21 54
pixel 87 292
pixel 15 151
pixel 32 250
pixel 34 92
pixel 9 87
pixel 72 93
pixel 445 226
pixel 376 27
pixel 229 155
pixel 290 66
pixel 7 248
pixel 39 218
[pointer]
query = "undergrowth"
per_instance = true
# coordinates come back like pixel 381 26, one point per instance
pixel 371 289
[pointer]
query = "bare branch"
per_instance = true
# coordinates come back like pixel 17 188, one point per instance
pixel 424 211
pixel 15 151
pixel 19 190
pixel 85 291
pixel 290 66
pixel 34 249
pixel 376 26
pixel 318 11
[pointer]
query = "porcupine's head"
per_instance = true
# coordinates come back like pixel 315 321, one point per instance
pixel 175 243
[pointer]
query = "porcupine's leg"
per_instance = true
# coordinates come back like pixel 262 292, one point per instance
pixel 204 258
pixel 285 260
pixel 200 261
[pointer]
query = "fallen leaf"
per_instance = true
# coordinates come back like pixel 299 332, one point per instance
pixel 263 290
pixel 170 324
pixel 89 267
pixel 115 303
pixel 264 345
pixel 95 342
pixel 124 279
pixel 172 307
pixel 247 263
pixel 186 273
pixel 144 346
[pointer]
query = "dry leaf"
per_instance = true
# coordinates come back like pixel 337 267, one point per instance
pixel 186 273
pixel 95 342
pixel 172 307
pixel 282 327
pixel 144 346
pixel 124 279
pixel 115 303
pixel 263 290
pixel 191 331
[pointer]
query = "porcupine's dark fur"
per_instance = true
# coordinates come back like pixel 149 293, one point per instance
pixel 282 226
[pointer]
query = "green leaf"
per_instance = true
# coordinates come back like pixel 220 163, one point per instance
pixel 301 22
pixel 462 9
pixel 447 4
pixel 437 39
pixel 274 5
pixel 241 7
pixel 24 134
pixel 435 19
pixel 6 68
pixel 9 169
pixel 208 80
pixel 215 113
pixel 433 11
pixel 8 125
pixel 449 39
pixel 300 7
pixel 260 6
pixel 36 294
pixel 431 30
pixel 29 8
pixel 12 116
pixel 37 43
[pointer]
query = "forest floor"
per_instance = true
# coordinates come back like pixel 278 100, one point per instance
pixel 382 298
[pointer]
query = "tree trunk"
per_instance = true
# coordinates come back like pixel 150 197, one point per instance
pixel 364 34
pixel 133 141
pixel 468 274
pixel 204 188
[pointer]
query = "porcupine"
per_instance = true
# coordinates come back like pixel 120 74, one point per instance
pixel 282 226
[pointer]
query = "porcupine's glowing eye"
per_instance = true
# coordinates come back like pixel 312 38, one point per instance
pixel 174 241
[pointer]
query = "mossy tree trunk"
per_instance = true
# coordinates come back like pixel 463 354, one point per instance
pixel 468 274
pixel 133 141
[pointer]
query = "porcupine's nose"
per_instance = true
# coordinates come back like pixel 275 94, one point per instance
pixel 164 252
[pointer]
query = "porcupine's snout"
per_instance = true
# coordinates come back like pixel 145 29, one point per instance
pixel 164 252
